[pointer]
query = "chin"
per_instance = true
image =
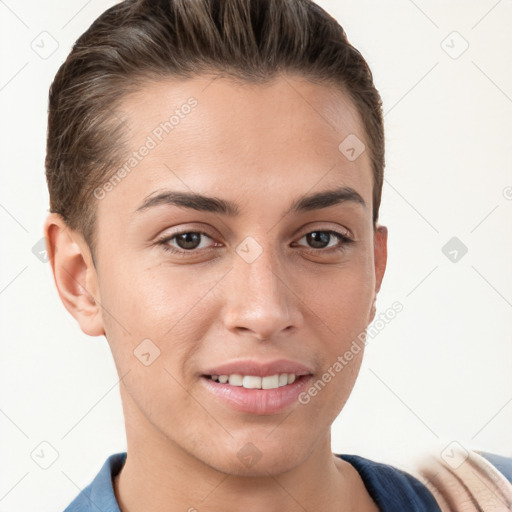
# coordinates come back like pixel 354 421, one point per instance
pixel 270 464
pixel 260 456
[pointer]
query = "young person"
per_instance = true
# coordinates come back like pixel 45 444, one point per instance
pixel 215 171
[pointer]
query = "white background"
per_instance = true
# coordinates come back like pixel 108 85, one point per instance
pixel 440 371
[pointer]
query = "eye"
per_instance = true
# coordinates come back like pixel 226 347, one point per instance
pixel 320 240
pixel 187 242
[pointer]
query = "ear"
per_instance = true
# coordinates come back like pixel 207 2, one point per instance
pixel 74 274
pixel 380 259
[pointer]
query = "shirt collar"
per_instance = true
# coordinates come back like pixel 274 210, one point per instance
pixel 102 487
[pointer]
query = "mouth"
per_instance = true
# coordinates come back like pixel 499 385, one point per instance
pixel 275 381
pixel 252 394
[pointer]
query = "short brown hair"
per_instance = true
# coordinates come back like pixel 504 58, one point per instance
pixel 140 40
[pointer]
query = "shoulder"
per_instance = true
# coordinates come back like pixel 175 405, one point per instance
pixel 99 494
pixel 392 488
pixel 500 462
pixel 444 479
pixel 462 477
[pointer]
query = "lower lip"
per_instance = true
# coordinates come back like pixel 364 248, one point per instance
pixel 258 401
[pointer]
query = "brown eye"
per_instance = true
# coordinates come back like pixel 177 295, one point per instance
pixel 319 240
pixel 188 240
pixel 184 242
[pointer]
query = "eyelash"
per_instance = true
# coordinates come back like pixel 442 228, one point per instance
pixel 344 239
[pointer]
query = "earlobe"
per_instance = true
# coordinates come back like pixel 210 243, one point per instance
pixel 74 274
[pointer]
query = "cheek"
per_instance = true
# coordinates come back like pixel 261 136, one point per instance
pixel 341 298
pixel 329 393
pixel 152 298
pixel 165 306
pixel 153 330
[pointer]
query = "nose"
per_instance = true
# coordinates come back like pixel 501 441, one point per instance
pixel 260 300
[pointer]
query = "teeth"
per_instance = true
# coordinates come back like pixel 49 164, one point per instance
pixel 270 382
pixel 254 382
pixel 235 380
pixel 251 382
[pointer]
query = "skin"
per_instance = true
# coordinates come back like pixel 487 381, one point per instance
pixel 260 146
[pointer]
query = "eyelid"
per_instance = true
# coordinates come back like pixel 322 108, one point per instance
pixel 343 241
pixel 308 229
pixel 343 235
pixel 165 239
pixel 336 228
pixel 187 229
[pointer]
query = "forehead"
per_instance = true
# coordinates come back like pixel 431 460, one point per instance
pixel 288 102
pixel 211 134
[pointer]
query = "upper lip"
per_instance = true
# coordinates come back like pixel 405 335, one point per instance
pixel 259 368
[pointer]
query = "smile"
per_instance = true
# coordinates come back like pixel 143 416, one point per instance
pixel 256 382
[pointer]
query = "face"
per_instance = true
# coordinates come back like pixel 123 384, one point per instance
pixel 265 278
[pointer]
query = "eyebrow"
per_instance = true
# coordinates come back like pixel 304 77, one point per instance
pixel 199 202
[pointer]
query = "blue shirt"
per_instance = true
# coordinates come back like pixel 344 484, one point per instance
pixel 391 488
